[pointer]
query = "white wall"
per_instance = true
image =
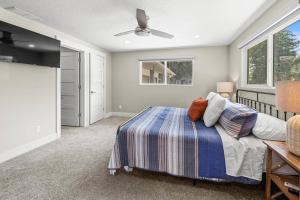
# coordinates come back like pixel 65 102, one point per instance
pixel 210 66
pixel 30 95
pixel 275 12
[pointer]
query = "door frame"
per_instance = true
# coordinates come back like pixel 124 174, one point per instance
pixel 104 82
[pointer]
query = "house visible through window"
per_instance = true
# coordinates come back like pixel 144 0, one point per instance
pixel 153 72
pixel 274 59
pixel 167 72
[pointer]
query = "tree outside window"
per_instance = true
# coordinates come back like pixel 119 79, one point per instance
pixel 286 51
pixel 257 63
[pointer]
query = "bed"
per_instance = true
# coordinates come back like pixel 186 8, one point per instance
pixel 164 139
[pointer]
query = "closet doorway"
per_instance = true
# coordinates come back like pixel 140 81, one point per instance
pixel 70 87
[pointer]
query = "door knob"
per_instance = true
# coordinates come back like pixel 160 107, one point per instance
pixel 92 92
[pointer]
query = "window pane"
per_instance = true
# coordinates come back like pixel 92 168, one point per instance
pixel 257 64
pixel 180 72
pixel 153 72
pixel 286 55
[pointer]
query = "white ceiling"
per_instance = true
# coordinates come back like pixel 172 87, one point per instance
pixel 217 22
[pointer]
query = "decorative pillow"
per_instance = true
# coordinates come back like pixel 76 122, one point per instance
pixel 238 120
pixel 215 107
pixel 269 128
pixel 197 109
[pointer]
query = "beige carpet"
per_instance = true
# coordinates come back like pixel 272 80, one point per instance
pixel 74 167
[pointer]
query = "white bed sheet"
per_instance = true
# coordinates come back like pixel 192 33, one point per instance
pixel 243 157
pixel 247 156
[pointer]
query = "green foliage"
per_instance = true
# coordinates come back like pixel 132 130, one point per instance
pixel 182 70
pixel 257 63
pixel 286 61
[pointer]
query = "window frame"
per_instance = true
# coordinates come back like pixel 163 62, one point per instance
pixel 270 68
pixel 165 71
pixel 253 44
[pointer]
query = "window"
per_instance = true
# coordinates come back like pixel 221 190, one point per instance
pixel 257 64
pixel 275 58
pixel 153 72
pixel 286 53
pixel 167 72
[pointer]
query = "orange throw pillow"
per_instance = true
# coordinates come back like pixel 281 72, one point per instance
pixel 197 109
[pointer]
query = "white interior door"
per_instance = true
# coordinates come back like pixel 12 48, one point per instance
pixel 70 87
pixel 96 88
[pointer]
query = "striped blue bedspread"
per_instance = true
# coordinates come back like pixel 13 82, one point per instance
pixel 164 139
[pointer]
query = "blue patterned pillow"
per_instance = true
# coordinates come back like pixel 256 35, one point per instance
pixel 238 120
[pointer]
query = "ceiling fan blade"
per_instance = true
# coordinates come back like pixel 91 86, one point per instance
pixel 141 18
pixel 124 33
pixel 161 34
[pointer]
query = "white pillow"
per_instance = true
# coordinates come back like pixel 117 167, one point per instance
pixel 216 105
pixel 269 128
pixel 210 95
pixel 228 103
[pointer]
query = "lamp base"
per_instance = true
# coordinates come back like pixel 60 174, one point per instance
pixel 293 134
pixel 225 95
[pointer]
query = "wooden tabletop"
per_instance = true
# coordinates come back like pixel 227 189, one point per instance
pixel 281 148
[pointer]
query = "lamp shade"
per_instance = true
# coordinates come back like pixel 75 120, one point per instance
pixel 226 87
pixel 288 96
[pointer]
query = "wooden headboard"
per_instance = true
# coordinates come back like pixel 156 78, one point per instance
pixel 263 102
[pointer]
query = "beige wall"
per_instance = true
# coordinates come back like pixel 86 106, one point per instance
pixel 279 9
pixel 28 100
pixel 210 66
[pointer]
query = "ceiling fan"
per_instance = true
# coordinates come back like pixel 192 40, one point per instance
pixel 142 29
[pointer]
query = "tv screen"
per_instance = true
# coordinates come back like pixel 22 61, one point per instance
pixel 18 45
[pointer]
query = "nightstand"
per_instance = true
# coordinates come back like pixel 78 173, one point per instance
pixel 281 149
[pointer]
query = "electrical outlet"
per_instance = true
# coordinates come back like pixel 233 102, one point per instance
pixel 120 107
pixel 38 128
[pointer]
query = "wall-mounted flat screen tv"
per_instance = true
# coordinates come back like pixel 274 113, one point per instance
pixel 18 45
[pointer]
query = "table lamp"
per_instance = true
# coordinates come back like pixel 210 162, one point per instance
pixel 225 88
pixel 288 100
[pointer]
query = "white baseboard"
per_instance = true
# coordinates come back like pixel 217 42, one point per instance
pixel 107 115
pixel 27 147
pixel 119 114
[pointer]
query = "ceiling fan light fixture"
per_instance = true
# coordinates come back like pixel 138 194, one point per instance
pixel 142 32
